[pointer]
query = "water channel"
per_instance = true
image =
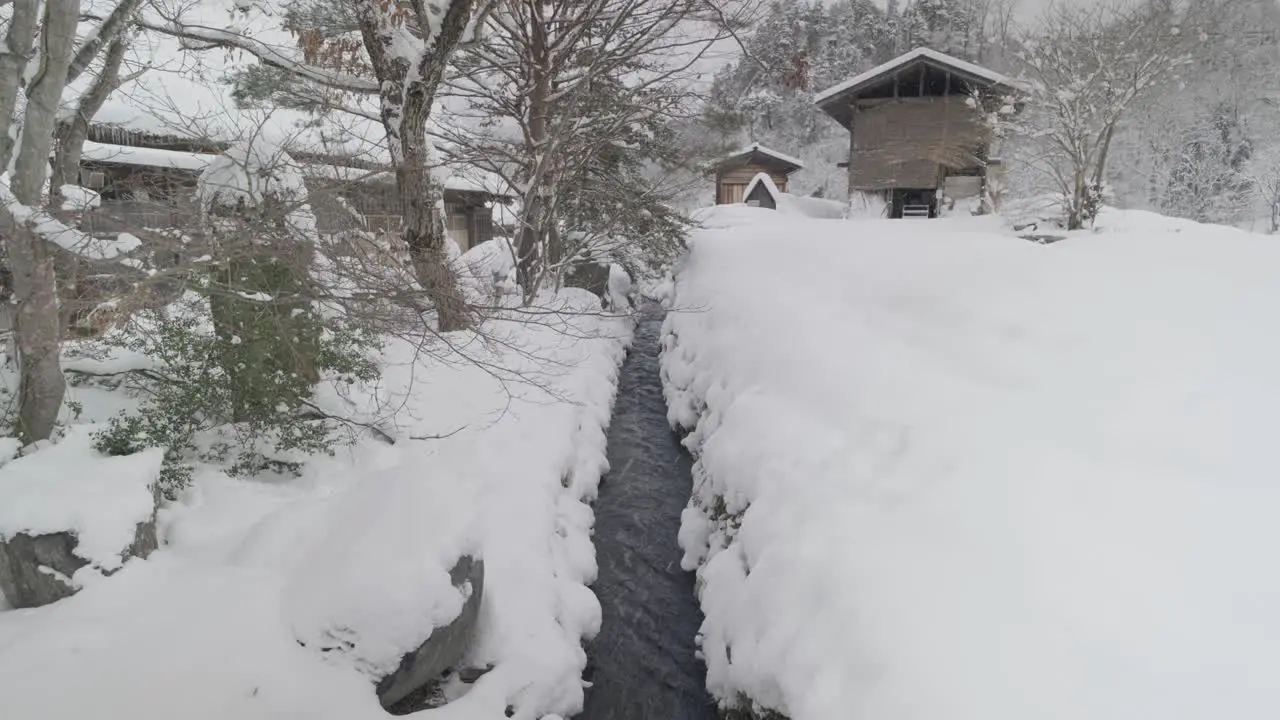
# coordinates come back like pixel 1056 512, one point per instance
pixel 643 664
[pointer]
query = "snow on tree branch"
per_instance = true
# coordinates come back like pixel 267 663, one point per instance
pixel 52 230
pixel 266 53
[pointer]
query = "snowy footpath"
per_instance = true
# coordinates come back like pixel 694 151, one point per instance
pixel 943 472
pixel 496 456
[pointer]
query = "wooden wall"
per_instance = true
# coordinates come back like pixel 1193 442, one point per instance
pixel 731 183
pixel 907 142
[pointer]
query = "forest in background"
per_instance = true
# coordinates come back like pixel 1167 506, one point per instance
pixel 1204 144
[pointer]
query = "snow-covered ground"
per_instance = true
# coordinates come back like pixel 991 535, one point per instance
pixel 947 473
pixel 357 549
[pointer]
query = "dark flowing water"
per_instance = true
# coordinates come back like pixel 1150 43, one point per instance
pixel 643 664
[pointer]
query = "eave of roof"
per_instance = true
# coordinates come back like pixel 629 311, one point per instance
pixel 755 148
pixel 832 100
pixel 955 64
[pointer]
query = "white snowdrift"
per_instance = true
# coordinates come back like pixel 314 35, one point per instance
pixel 945 473
pixel 355 554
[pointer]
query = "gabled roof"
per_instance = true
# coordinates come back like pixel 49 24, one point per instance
pixel 964 68
pixel 755 151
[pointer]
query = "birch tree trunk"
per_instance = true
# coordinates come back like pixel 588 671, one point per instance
pixel 13 63
pixel 41 384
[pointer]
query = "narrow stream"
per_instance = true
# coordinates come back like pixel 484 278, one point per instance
pixel 643 664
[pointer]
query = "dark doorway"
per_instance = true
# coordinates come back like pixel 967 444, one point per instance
pixel 914 203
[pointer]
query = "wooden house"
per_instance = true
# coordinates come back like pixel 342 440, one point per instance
pixel 735 172
pixel 148 181
pixel 917 129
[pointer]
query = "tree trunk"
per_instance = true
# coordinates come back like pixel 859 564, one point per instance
pixel 408 91
pixel 1075 213
pixel 13 63
pixel 1099 170
pixel 41 385
pixel 72 133
pixel 532 251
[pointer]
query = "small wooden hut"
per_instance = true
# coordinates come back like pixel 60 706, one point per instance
pixel 735 172
pixel 917 131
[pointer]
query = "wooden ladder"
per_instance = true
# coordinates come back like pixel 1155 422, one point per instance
pixel 915 211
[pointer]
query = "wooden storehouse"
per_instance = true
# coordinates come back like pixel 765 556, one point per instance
pixel 148 181
pixel 735 172
pixel 917 131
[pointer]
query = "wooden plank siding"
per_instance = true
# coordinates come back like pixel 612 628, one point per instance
pixel 731 183
pixel 909 142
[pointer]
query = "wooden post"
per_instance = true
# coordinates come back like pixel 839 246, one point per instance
pixel 853 146
pixel 920 84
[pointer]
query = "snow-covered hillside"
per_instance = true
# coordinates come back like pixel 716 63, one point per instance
pixel 947 473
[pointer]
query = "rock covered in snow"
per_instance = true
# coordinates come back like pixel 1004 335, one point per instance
pixel 66 508
pixel 446 646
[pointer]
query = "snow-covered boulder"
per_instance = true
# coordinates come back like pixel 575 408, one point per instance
pixel 69 513
pixel 448 643
pixel 382 576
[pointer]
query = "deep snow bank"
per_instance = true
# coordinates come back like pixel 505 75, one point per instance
pixel 948 473
pixel 354 556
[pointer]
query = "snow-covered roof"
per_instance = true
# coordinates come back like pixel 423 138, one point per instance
pixel 176 91
pixel 757 148
pixel 964 67
pixel 458 179
pixel 150 157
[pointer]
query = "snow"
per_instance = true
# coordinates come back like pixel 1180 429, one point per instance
pixel 59 233
pixel 905 59
pixel 71 487
pixel 150 157
pixel 78 199
pixel 490 267
pixel 758 148
pixel 248 173
pixel 461 179
pixel 945 472
pixel 354 554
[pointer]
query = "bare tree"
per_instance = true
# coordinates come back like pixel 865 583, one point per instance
pixel 1085 67
pixel 403 51
pixel 561 92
